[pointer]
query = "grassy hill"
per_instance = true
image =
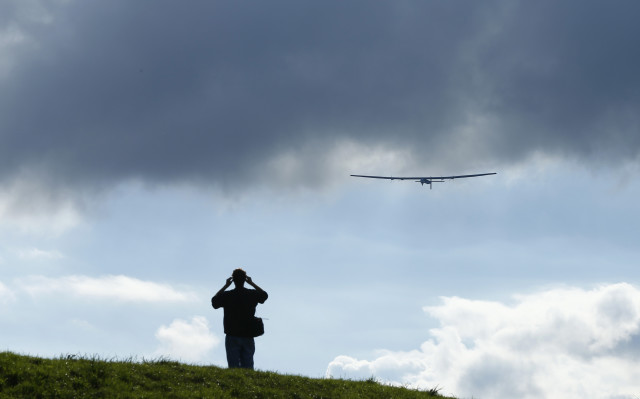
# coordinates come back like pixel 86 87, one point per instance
pixel 74 377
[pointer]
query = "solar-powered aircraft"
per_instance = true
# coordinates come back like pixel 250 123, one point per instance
pixel 425 180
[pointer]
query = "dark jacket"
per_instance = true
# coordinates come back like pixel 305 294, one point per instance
pixel 239 309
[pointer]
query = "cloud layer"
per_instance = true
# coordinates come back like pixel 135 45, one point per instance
pixel 96 93
pixel 561 343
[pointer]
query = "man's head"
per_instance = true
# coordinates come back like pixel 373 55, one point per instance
pixel 239 277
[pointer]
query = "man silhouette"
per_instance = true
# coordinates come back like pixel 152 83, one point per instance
pixel 239 310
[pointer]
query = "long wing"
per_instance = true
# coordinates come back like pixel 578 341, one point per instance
pixel 424 177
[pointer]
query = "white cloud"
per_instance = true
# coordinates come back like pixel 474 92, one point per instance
pixel 305 168
pixel 561 343
pixel 10 38
pixel 14 32
pixel 39 254
pixel 6 294
pixel 186 341
pixel 119 288
pixel 25 207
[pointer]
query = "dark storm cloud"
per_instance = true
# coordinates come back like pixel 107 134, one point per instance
pixel 211 91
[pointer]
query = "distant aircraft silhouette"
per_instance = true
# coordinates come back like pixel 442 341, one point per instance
pixel 425 180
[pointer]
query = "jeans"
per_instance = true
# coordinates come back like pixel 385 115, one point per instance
pixel 240 351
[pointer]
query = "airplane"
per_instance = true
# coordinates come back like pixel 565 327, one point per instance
pixel 425 180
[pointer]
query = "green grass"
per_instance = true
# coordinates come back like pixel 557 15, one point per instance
pixel 76 377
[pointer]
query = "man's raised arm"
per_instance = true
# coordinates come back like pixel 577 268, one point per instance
pixel 254 285
pixel 215 301
pixel 261 294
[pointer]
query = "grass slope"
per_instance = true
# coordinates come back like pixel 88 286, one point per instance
pixel 74 377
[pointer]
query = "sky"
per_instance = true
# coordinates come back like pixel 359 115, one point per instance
pixel 149 148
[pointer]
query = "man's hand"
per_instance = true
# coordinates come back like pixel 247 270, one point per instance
pixel 227 284
pixel 251 283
